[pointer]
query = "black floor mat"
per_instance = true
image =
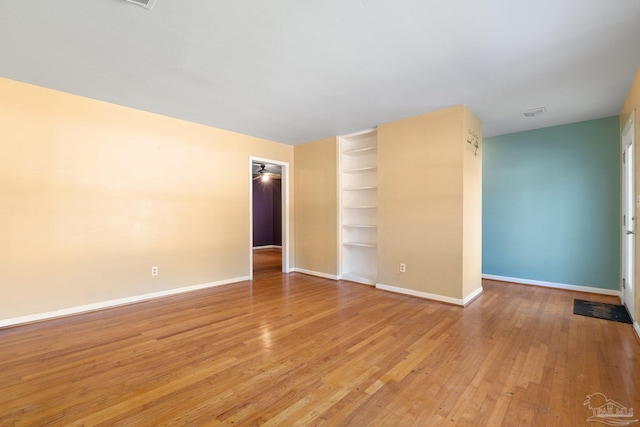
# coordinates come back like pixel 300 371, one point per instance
pixel 601 310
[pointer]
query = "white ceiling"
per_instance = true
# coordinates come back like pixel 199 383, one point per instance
pixel 295 71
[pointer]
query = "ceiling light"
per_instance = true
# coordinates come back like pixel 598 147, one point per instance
pixel 535 112
pixel 264 175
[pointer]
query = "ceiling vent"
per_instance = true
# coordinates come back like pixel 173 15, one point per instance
pixel 147 4
pixel 535 112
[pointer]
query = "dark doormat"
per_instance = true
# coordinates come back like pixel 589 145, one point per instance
pixel 601 310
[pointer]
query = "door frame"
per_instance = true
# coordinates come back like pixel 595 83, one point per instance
pixel 628 148
pixel 286 215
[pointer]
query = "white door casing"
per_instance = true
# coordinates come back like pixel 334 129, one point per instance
pixel 628 218
pixel 286 230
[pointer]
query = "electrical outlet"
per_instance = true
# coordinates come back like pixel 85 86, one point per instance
pixel 154 271
pixel 403 268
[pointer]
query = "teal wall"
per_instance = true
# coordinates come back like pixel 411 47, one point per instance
pixel 551 204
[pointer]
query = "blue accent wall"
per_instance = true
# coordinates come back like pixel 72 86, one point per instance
pixel 551 204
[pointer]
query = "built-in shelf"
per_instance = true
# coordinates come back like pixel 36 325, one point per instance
pixel 358 207
pixel 362 244
pixel 358 277
pixel 361 170
pixel 373 187
pixel 360 151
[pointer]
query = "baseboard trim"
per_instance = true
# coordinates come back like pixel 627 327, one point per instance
pixel 636 328
pixel 553 285
pixel 257 248
pixel 113 303
pixel 472 296
pixel 426 295
pixel 315 273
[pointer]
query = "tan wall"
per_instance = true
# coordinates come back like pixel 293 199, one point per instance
pixel 472 205
pixel 632 105
pixel 420 203
pixel 92 195
pixel 316 208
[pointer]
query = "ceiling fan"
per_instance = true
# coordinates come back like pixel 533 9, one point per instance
pixel 260 171
pixel 263 174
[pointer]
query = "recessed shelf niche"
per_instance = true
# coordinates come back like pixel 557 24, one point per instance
pixel 359 207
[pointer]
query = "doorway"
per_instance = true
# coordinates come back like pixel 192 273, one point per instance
pixel 628 218
pixel 269 216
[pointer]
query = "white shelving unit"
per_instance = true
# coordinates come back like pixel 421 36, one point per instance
pixel 359 207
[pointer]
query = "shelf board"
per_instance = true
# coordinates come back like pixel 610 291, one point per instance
pixel 361 170
pixel 359 207
pixel 360 151
pixel 360 225
pixel 359 277
pixel 362 244
pixel 373 187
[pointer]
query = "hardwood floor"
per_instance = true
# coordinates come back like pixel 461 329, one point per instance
pixel 298 350
pixel 266 262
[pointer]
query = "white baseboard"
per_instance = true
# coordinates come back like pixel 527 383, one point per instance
pixel 315 273
pixel 473 295
pixel 113 303
pixel 358 278
pixel 257 248
pixel 636 328
pixel 589 289
pixel 434 297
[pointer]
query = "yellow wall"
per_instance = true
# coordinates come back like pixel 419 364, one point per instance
pixel 632 105
pixel 316 208
pixel 92 195
pixel 472 205
pixel 420 203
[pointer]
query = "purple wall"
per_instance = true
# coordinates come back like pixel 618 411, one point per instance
pixel 277 212
pixel 267 213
